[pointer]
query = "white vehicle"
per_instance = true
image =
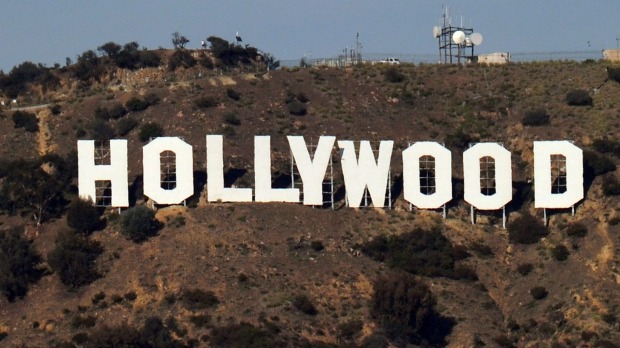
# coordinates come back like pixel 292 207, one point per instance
pixel 390 61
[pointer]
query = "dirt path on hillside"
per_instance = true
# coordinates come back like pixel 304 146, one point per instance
pixel 607 251
pixel 44 137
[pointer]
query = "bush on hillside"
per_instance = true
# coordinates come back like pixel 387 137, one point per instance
pixel 578 97
pixel 611 186
pixel 136 104
pixel 596 164
pixel 206 102
pixel 18 264
pixel 538 292
pixel 607 145
pixel 73 259
pixel 295 107
pixel 536 117
pixel 422 252
pixel 526 229
pixel 613 73
pixel 243 335
pixel 150 130
pixel 139 224
pixel 393 75
pixel 303 304
pixel 126 125
pixel 181 59
pixel 560 252
pixel 576 229
pixel 83 216
pixel 101 130
pixel 26 120
pixel 405 308
pixel 116 111
pixel 232 94
pixel 194 299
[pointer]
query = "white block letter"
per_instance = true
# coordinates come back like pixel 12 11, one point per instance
pixel 116 172
pixel 442 170
pixel 366 172
pixel 215 175
pixel 262 171
pixel 312 172
pixel 152 170
pixel 544 198
pixel 503 176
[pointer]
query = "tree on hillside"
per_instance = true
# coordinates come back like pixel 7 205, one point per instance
pixel 88 66
pixel 178 40
pixel 83 216
pixel 73 258
pixel 110 49
pixel 405 307
pixel 28 189
pixel 18 263
pixel 271 61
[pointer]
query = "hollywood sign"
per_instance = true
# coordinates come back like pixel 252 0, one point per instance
pixel 361 171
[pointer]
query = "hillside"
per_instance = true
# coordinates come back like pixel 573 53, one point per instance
pixel 266 263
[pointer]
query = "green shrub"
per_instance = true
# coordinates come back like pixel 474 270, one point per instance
pixel 101 130
pixel 139 224
pixel 560 252
pixel 243 335
pixel 526 229
pixel 150 130
pixel 537 117
pixel 393 75
pixel 232 94
pixel 83 216
pixel 55 109
pixel 578 97
pixel 606 145
pixel 295 107
pixel 596 164
pixel 136 104
pixel 611 186
pixel 232 119
pixel 525 268
pixel 538 292
pixel 130 296
pixel 116 111
pixel 303 304
pixel 80 321
pixel 73 258
pixel 349 329
pixel 200 320
pixel 126 125
pixel 421 252
pixel 18 264
pixel 577 229
pixel 199 299
pixel 613 73
pixel 460 139
pixel 26 120
pixel 317 245
pixel 405 308
pixel 181 59
pixel 206 102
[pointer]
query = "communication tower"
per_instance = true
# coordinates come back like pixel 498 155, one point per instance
pixel 456 43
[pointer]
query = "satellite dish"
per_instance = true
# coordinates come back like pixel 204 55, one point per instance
pixel 458 37
pixel 476 38
pixel 468 41
pixel 436 31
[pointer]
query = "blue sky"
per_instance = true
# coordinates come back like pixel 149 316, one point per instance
pixel 49 31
